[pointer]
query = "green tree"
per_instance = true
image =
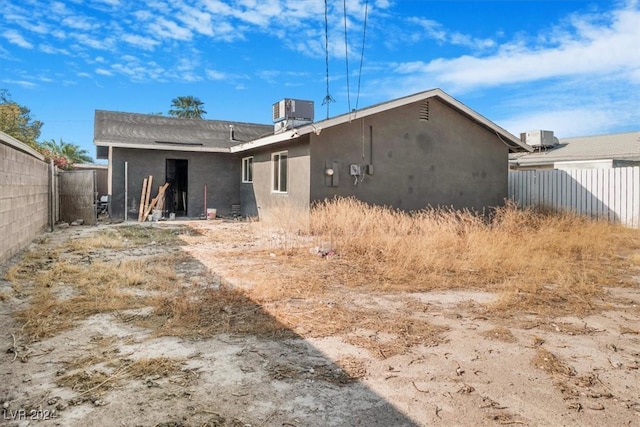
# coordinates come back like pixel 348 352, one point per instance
pixel 187 107
pixel 15 120
pixel 67 154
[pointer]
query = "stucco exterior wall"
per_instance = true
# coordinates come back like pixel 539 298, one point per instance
pixel 216 170
pixel 24 197
pixel 259 200
pixel 447 160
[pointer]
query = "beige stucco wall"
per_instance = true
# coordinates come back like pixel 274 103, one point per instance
pixel 258 199
pixel 24 196
pixel 448 160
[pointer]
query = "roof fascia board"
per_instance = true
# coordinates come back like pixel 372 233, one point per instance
pixel 267 140
pixel 167 147
pixel 516 142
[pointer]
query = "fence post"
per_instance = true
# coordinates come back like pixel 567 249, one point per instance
pixel 52 195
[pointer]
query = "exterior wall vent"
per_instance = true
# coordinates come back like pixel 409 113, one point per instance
pixel 424 111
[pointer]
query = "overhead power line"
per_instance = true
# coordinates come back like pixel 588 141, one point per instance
pixel 328 99
pixel 346 52
pixel 364 37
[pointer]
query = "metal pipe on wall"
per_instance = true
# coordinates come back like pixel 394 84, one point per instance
pixel 126 191
pixel 206 214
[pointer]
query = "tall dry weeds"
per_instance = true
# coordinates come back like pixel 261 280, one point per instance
pixel 530 256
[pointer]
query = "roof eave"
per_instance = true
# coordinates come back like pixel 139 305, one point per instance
pixel 507 138
pixel 167 147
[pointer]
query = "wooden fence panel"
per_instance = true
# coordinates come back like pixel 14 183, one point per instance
pixel 78 196
pixel 612 194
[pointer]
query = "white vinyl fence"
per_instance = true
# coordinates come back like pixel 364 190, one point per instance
pixel 612 194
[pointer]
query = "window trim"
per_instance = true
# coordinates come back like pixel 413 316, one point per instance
pixel 277 163
pixel 247 172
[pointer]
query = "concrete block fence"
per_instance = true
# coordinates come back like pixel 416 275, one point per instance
pixel 24 195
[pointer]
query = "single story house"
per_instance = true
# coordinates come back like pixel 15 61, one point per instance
pixel 584 152
pixel 426 149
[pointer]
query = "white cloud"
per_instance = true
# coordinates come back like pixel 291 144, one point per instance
pixel 187 64
pixel 104 72
pixel 94 42
pixel 216 75
pixel 436 31
pixel 51 50
pixel 113 3
pixel 78 23
pixel 138 69
pixel 590 49
pixel 168 29
pixel 139 41
pixel 565 122
pixel 16 38
pixel 579 77
pixel 23 83
pixel 196 20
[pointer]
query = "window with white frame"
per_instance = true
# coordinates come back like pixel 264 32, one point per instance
pixel 247 169
pixel 279 164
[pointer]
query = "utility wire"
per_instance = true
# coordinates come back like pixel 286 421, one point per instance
pixel 346 52
pixel 328 98
pixel 364 37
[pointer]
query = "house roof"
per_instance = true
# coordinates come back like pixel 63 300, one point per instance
pixel 618 146
pixel 147 131
pixel 514 143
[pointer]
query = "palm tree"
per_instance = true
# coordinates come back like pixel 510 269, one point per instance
pixel 71 152
pixel 187 107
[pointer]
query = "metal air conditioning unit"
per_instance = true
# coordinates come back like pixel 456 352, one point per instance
pixel 539 138
pixel 295 109
pixel 291 113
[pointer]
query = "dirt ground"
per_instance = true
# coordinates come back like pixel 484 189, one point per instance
pixel 475 369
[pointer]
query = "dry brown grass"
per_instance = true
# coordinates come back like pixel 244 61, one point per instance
pixel 500 333
pixel 538 261
pixel 100 377
pixel 552 364
pixel 64 289
pixel 207 312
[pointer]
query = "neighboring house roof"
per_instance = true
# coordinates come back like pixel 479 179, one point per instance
pixel 619 146
pixel 514 143
pixel 155 132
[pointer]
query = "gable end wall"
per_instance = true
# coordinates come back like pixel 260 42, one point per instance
pixel 447 160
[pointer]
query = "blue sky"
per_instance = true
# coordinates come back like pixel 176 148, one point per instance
pixel 568 66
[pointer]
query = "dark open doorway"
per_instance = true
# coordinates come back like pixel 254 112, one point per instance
pixel 178 179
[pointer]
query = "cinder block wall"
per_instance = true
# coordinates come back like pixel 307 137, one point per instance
pixel 24 195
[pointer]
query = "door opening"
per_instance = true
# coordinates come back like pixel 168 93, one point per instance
pixel 176 194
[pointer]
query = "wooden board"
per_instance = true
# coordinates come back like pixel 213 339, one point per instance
pixel 142 197
pixel 147 196
pixel 155 199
